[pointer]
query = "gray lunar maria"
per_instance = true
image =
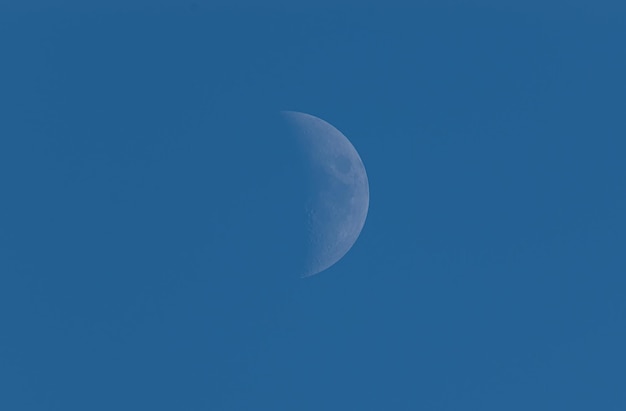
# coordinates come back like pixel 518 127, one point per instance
pixel 338 197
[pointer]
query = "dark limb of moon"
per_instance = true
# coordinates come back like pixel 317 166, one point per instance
pixel 337 200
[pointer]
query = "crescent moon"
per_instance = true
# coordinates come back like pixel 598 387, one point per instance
pixel 337 200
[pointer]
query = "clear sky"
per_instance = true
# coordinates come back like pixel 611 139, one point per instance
pixel 145 207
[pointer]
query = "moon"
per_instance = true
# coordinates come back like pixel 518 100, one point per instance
pixel 337 198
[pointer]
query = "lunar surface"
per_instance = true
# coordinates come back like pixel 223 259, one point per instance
pixel 337 198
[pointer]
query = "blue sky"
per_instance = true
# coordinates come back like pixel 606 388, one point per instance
pixel 146 208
